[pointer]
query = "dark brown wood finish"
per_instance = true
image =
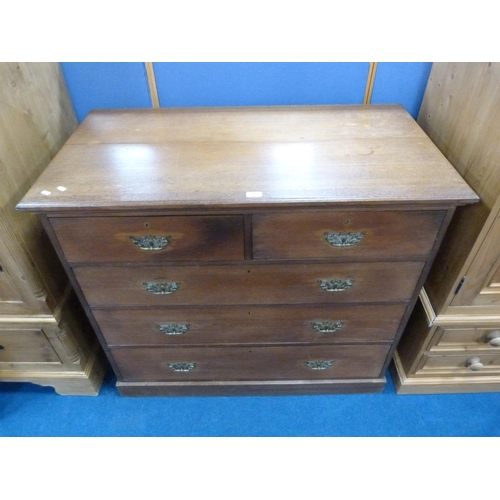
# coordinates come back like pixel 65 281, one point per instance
pixel 246 196
pixel 308 155
pixel 250 325
pixel 251 363
pixel 121 286
pixel 374 235
pixel 189 238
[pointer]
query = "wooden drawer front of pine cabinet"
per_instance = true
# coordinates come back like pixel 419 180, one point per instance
pixel 250 363
pixel 272 284
pixel 453 339
pixel 26 346
pixel 151 239
pixel 345 235
pixel 474 364
pixel 242 325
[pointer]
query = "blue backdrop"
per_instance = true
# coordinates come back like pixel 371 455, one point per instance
pixel 125 85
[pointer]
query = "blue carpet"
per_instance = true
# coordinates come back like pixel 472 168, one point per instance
pixel 30 410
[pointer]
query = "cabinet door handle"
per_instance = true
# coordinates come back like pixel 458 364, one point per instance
pixel 493 338
pixel 161 288
pixel 474 364
pixel 344 238
pixel 319 365
pixel 182 367
pixel 336 285
pixel 327 326
pixel 150 242
pixel 173 328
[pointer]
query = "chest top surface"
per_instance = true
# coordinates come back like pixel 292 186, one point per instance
pixel 246 157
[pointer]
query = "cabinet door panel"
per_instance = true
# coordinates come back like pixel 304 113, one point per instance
pixel 482 282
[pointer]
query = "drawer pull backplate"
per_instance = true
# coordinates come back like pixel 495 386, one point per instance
pixel 319 365
pixel 173 329
pixel 336 285
pixel 182 367
pixel 161 288
pixel 327 326
pixel 344 238
pixel 150 242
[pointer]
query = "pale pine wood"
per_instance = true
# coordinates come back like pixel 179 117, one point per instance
pixel 41 336
pixel 152 84
pixel 481 287
pixel 460 114
pixel 370 82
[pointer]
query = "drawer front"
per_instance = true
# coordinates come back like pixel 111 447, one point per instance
pixel 450 339
pixel 250 363
pixel 273 284
pixel 356 235
pixel 473 364
pixel 26 346
pixel 258 325
pixel 150 239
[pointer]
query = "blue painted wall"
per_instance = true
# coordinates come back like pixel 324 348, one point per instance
pixel 401 83
pixel 106 85
pixel 125 85
pixel 246 84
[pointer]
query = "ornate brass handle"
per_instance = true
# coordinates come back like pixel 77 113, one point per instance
pixel 319 365
pixel 150 242
pixel 344 238
pixel 327 326
pixel 161 288
pixel 474 364
pixel 493 338
pixel 336 285
pixel 173 329
pixel 182 367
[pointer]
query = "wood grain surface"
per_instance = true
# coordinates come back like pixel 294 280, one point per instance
pixel 267 284
pixel 247 157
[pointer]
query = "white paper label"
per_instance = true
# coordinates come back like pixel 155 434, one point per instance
pixel 254 194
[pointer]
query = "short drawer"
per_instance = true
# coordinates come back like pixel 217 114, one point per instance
pixel 150 239
pixel 459 339
pixel 243 325
pixel 26 346
pixel 469 363
pixel 250 363
pixel 253 284
pixel 357 234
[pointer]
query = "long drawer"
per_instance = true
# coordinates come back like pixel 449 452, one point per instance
pixel 255 284
pixel 151 239
pixel 255 324
pixel 348 235
pixel 250 363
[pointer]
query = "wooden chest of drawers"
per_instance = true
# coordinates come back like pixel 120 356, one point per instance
pixel 248 250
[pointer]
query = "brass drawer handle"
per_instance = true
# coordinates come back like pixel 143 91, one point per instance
pixel 336 285
pixel 493 338
pixel 182 367
pixel 318 365
pixel 327 326
pixel 150 242
pixel 344 238
pixel 161 288
pixel 173 329
pixel 474 364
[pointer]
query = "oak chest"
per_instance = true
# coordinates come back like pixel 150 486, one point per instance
pixel 248 250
